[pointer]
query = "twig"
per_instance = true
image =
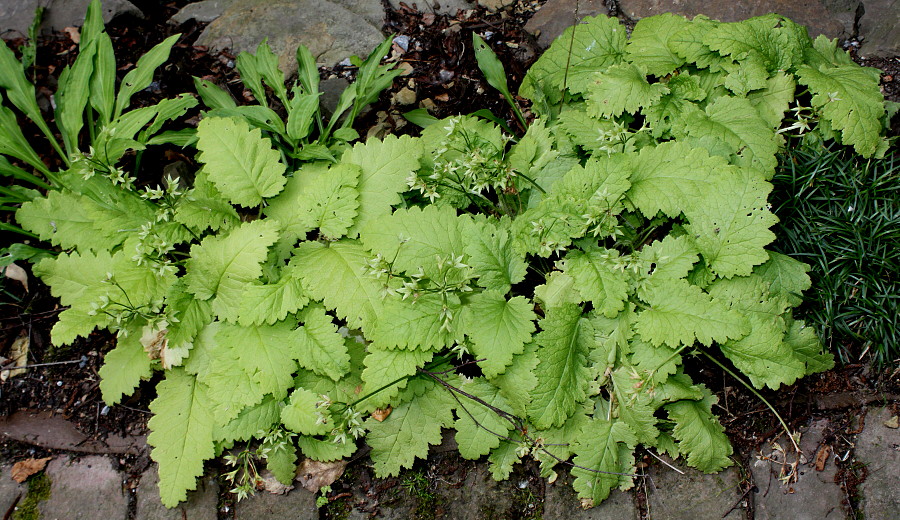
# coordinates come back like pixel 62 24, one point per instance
pixel 657 457
pixel 36 365
pixel 743 496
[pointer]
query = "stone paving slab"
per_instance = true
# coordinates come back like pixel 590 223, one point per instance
pixel 297 504
pixel 16 15
pixel 561 501
pixel 693 495
pixel 200 504
pixel 813 496
pixel 878 447
pixel 10 490
pixel 84 489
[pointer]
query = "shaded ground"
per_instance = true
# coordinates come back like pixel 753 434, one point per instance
pixel 445 77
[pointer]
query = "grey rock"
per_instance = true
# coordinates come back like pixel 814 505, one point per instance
pixel 331 32
pixel 451 7
pixel 556 15
pixel 561 501
pixel 693 495
pixel 475 494
pixel 811 13
pixel 200 504
pixel 10 490
pixel 298 504
pixel 494 5
pixel 331 90
pixel 813 496
pixel 16 15
pixel 879 29
pixel 878 447
pixel 205 11
pixel 87 489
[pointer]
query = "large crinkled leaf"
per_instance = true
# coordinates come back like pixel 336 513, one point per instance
pixel 319 346
pixel 731 225
pixel 850 100
pixel 671 176
pixel 558 289
pixel 492 256
pixel 479 428
pixel 385 167
pixel 517 382
pixel 301 414
pixel 322 267
pixel 325 450
pixel 389 367
pixel 409 430
pixel 736 122
pixel 763 356
pixel 688 43
pixel 670 258
pixel 565 341
pixel 124 367
pixel 62 219
pixel 230 260
pixel 266 352
pixel 786 277
pixel 684 90
pixel 251 420
pixel 773 40
pixel 216 363
pixel 499 329
pixel 633 404
pixel 807 348
pixel 203 207
pixel 559 442
pixel 603 451
pixel 272 302
pixel 597 43
pixel 316 197
pixel 181 434
pixel 426 323
pixel 649 48
pixel 239 160
pixel 599 276
pixel 414 238
pixel 680 313
pixel 621 89
pixel 505 456
pixel 772 101
pixel 700 435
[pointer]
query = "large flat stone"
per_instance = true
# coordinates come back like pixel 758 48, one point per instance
pixel 86 489
pixel 561 501
pixel 16 15
pixel 879 28
pixel 205 11
pixel 331 32
pixel 451 7
pixel 200 504
pixel 811 13
pixel 556 15
pixel 813 496
pixel 297 504
pixel 52 432
pixel 693 495
pixel 878 447
pixel 474 494
pixel 10 490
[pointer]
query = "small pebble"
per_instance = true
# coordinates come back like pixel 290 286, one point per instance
pixel 402 41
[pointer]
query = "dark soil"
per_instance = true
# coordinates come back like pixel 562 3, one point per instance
pixel 446 78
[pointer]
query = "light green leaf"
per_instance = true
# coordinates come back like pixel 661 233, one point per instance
pixel 181 434
pixel 426 323
pixel 233 259
pixel 671 258
pixel 342 264
pixel 478 427
pixel 558 289
pixel 564 342
pixel 763 356
pixel 141 75
pixel 409 430
pixel 700 435
pixel 773 40
pixel 319 346
pixel 604 447
pixel 213 96
pixel 281 460
pixel 621 89
pixel 499 329
pixel 491 255
pixel 517 382
pixel 786 277
pixel 633 406
pixel 681 313
pixel 649 48
pixel 731 227
pixel 267 353
pixel 270 303
pixel 385 167
pixel 124 367
pixel 598 278
pixel 385 366
pixel 772 101
pixel 807 348
pixel 302 416
pixel 250 421
pixel 850 100
pixel 239 161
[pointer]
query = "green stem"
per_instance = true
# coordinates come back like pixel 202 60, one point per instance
pixel 759 396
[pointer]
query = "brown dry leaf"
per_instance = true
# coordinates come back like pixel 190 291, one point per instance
pixel 73 34
pixel 154 339
pixel 893 422
pixel 443 97
pixel 822 457
pixel 14 272
pixel 381 413
pixel 314 475
pixel 405 68
pixel 18 354
pixel 25 468
pixel 272 485
pixel 405 96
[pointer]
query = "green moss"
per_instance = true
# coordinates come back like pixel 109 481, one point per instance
pixel 418 487
pixel 38 491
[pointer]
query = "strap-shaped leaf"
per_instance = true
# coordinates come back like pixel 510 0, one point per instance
pixel 141 75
